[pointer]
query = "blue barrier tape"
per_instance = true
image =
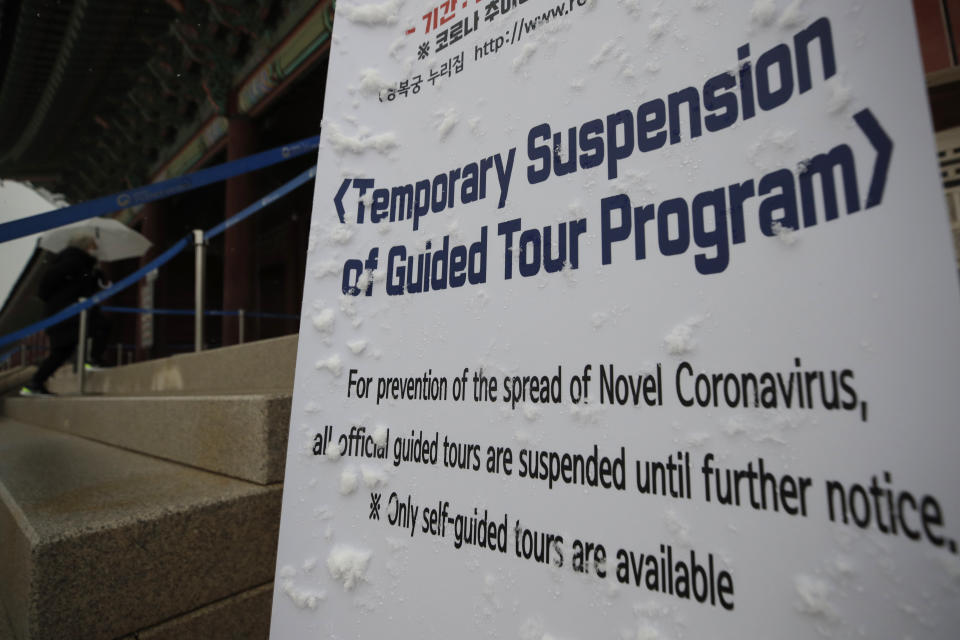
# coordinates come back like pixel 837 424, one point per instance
pixel 268 199
pixel 142 195
pixel 190 312
pixel 269 315
pixel 254 314
pixel 156 263
pixel 157 312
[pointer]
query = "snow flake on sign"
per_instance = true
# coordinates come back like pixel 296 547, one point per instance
pixel 342 143
pixel 697 439
pixel 325 268
pixel 840 95
pixel 302 597
pixel 522 436
pixel 333 451
pixel 365 279
pixel 659 27
pixel 380 436
pixel 585 414
pixel 323 320
pixel 656 621
pixel 648 632
pixel 357 346
pixel 791 16
pixel 446 121
pixel 349 481
pixel 373 477
pixel 339 234
pixel 474 125
pixel 679 529
pixel 348 307
pixel 534 629
pixel 605 53
pixel 531 411
pixel 372 15
pixel 769 425
pixel 786 235
pixel 843 566
pixel 815 596
pixel 614 51
pixel 633 7
pixel 332 364
pixel 680 339
pixel 763 12
pixel 348 565
pixel 632 182
pixel 599 318
pixel 525 54
pixel 951 567
pixel 768 151
pixel 371 82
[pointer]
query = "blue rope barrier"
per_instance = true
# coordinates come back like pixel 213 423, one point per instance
pixel 267 314
pixel 156 263
pixel 268 199
pixel 142 195
pixel 157 312
pixel 190 312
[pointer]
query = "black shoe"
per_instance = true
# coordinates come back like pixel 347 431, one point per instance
pixel 34 390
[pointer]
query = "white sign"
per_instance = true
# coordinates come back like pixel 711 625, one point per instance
pixel 625 320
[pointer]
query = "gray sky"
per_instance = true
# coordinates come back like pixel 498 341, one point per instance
pixel 17 201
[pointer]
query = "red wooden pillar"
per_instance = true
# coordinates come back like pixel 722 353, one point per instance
pixel 239 270
pixel 146 331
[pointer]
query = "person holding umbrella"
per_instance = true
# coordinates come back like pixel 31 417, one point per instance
pixel 72 274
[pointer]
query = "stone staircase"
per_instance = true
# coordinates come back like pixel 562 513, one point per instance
pixel 148 508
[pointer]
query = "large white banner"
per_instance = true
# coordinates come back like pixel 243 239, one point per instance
pixel 625 319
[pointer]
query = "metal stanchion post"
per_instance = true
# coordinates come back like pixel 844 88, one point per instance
pixel 241 323
pixel 119 353
pixel 82 348
pixel 198 243
pixel 23 355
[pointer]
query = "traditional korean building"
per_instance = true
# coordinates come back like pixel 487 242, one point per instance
pixel 99 96
pixel 938 23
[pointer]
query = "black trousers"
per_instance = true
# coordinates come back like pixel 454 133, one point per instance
pixel 58 355
pixel 63 342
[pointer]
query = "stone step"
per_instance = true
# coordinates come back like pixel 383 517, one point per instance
pixel 262 366
pixel 99 542
pixel 244 436
pixel 245 615
pixel 12 379
pixel 6 631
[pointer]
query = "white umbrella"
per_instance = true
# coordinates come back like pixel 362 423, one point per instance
pixel 115 240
